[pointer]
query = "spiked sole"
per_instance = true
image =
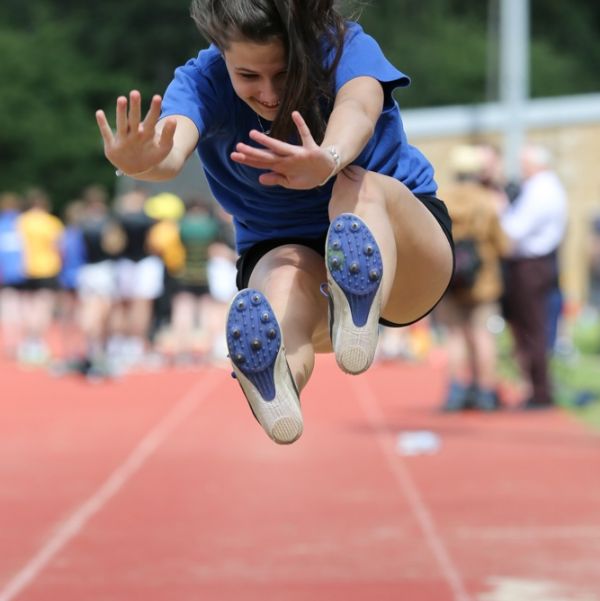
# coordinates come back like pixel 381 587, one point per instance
pixel 354 271
pixel 257 354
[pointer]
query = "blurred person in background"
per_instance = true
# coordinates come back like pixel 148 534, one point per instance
pixel 103 241
pixel 41 233
pixel 192 304
pixel 140 281
pixel 594 260
pixel 12 273
pixel 535 222
pixel 73 256
pixel 467 309
pixel 164 241
pixel 492 175
pixel 222 275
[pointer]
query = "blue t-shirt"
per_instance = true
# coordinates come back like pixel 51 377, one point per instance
pixel 201 90
pixel 73 253
pixel 12 270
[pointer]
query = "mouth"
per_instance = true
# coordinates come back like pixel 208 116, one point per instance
pixel 269 106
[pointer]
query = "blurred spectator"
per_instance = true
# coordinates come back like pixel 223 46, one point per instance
pixel 193 329
pixel 12 273
pixel 536 223
pixel 163 240
pixel 222 273
pixel 471 303
pixel 594 259
pixel 139 282
pixel 491 175
pixel 103 240
pixel 72 251
pixel 41 233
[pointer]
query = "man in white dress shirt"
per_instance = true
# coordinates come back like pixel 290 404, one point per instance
pixel 536 223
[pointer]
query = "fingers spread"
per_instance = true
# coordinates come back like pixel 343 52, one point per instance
pixel 277 146
pixel 272 179
pixel 121 114
pixel 305 135
pixel 153 112
pixel 135 110
pixel 104 127
pixel 244 159
pixel 255 153
pixel 168 133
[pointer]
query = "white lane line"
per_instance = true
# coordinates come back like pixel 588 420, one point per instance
pixel 409 489
pixel 184 407
pixel 522 534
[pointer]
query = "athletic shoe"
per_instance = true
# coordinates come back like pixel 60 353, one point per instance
pixel 257 354
pixel 354 271
pixel 458 397
pixel 486 400
pixel 532 404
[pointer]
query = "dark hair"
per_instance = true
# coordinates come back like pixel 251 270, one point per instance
pixel 307 28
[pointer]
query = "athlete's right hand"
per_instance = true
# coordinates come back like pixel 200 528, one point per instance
pixel 136 146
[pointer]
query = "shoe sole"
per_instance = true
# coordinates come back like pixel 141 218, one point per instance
pixel 354 272
pixel 257 355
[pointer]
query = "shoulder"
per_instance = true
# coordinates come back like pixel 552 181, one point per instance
pixel 201 91
pixel 208 65
pixel 362 55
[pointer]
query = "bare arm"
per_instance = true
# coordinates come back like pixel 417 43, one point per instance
pixel 357 108
pixel 151 150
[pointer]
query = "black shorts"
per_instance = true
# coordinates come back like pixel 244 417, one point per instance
pixel 36 284
pixel 193 289
pixel 249 258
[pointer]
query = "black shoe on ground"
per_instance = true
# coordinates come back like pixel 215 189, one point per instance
pixel 486 400
pixel 533 405
pixel 457 399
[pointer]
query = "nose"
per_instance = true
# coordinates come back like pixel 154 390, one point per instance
pixel 269 93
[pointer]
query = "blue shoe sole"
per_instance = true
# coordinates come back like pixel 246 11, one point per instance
pixel 254 340
pixel 255 345
pixel 354 273
pixel 354 263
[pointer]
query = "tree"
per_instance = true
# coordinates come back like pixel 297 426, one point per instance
pixel 63 59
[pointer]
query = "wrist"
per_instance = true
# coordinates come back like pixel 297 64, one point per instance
pixel 332 151
pixel 121 173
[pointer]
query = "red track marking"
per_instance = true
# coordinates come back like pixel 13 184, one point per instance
pixel 216 511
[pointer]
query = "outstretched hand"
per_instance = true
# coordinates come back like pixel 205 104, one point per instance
pixel 136 146
pixel 297 167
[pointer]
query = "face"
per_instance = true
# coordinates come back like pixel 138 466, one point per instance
pixel 257 73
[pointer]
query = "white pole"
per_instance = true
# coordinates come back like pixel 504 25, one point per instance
pixel 514 78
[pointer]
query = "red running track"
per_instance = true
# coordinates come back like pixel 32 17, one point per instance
pixel 161 487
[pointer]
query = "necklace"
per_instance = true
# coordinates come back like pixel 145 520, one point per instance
pixel 267 132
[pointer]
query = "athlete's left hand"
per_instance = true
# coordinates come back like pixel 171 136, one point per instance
pixel 297 167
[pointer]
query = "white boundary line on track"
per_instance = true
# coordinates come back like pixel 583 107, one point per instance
pixel 409 489
pixel 69 529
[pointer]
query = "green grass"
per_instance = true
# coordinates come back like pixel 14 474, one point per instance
pixel 573 374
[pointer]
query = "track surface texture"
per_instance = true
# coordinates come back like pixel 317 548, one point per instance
pixel 162 487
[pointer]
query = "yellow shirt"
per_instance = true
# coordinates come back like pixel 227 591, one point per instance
pixel 41 233
pixel 164 240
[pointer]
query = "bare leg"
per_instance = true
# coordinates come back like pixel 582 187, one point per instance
pixel 290 277
pixel 416 255
pixel 10 320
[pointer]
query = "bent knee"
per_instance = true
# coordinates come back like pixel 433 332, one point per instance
pixel 287 266
pixel 354 187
